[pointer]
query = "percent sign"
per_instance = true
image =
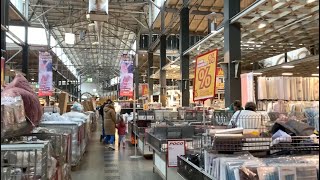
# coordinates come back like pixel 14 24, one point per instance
pixel 204 77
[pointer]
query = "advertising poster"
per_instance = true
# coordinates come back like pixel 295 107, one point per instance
pixel 126 76
pixel 175 149
pixel 2 71
pixel 220 80
pixel 45 74
pixel 205 76
pixel 144 90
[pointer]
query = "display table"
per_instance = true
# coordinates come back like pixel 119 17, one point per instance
pixel 159 139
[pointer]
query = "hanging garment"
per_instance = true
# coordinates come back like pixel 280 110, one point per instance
pixel 311 89
pixel 299 88
pixel 286 88
pixel 316 89
pixel 282 88
pixel 262 88
pixel 305 88
pixel 293 88
pixel 270 86
pixel 244 89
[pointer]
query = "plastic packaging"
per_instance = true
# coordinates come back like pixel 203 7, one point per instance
pixel 13 117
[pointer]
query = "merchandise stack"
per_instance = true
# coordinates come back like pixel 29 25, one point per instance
pixel 37 145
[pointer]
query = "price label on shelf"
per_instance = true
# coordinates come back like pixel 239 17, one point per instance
pixel 205 76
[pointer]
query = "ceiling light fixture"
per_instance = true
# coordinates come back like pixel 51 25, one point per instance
pixel 315 75
pixel 287 66
pixel 251 63
pixel 317 67
pixel 11 70
pixel 287 74
pixel 262 25
pixel 70 38
pixel 32 79
pixel 257 73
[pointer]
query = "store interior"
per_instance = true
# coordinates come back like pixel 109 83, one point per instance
pixel 160 89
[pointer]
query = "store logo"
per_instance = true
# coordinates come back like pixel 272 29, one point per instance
pixel 176 143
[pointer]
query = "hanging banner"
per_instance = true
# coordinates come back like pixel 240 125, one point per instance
pixel 126 75
pixel 205 76
pixel 175 149
pixel 144 90
pixel 220 80
pixel 45 74
pixel 2 71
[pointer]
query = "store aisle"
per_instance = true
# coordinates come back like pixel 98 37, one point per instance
pixel 102 164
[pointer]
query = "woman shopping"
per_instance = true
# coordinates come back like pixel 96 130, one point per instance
pixel 109 125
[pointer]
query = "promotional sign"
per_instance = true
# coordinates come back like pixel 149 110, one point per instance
pixel 45 74
pixel 220 80
pixel 2 71
pixel 205 76
pixel 175 149
pixel 144 90
pixel 126 76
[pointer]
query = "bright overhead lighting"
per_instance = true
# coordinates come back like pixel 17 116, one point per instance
pixel 11 70
pixel 251 63
pixel 314 74
pixel 257 73
pixel 317 67
pixel 287 66
pixel 310 1
pixel 262 25
pixel 69 38
pixel 32 79
pixel 287 74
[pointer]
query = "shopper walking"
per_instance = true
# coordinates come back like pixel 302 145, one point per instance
pixel 109 125
pixel 101 112
pixel 122 128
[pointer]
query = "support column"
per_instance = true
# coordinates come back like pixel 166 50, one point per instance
pixel 150 72
pixel 232 51
pixel 25 54
pixel 163 74
pixel 4 21
pixel 184 63
pixel 136 67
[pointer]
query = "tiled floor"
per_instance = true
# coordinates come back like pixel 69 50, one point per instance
pixel 101 164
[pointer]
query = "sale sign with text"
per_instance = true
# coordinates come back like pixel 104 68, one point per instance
pixel 205 76
pixel 219 79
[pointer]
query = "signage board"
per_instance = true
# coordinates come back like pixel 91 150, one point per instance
pixel 205 76
pixel 45 74
pixel 175 149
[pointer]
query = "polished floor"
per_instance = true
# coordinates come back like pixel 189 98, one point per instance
pixel 100 163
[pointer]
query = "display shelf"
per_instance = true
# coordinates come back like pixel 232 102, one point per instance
pixel 189 171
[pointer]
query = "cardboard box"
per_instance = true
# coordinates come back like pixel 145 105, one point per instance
pixel 63 101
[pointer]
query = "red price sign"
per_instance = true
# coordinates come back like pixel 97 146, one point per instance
pixel 205 76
